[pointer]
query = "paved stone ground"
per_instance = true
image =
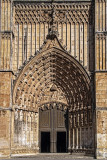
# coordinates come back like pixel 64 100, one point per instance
pixel 54 157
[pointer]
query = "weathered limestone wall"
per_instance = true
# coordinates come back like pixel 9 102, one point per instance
pixel 101 77
pixel 5 78
pixel 25 133
pixel 101 115
pixel 5 113
pixel 5 89
pixel 5 143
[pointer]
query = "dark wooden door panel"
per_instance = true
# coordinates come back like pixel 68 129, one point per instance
pixel 60 119
pixel 45 142
pixel 53 120
pixel 61 142
pixel 45 119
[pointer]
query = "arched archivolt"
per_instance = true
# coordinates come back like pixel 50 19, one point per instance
pixel 55 77
pixel 52 67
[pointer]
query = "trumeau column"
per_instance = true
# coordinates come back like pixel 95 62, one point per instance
pixel 101 77
pixel 5 77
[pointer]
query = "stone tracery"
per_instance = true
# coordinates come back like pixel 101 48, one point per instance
pixel 31 13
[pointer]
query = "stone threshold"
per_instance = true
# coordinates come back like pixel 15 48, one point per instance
pixel 74 155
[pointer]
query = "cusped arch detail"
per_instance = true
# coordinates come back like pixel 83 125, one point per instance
pixel 52 67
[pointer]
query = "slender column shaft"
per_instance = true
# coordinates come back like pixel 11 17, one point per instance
pixel 69 146
pixel 84 137
pixel 77 138
pixel 73 138
pixel 80 139
pixel 106 15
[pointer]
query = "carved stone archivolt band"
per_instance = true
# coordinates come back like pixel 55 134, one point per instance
pixel 53 76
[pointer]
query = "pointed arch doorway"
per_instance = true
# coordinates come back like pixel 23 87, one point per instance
pixel 53 128
pixel 51 81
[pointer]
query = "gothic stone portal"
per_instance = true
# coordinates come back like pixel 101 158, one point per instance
pixel 69 69
pixel 52 99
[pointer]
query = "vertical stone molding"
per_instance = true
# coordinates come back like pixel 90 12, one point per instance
pixel 100 77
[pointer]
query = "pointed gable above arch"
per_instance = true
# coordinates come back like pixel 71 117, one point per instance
pixel 52 42
pixel 52 75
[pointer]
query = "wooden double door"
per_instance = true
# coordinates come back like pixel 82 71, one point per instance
pixel 53 124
